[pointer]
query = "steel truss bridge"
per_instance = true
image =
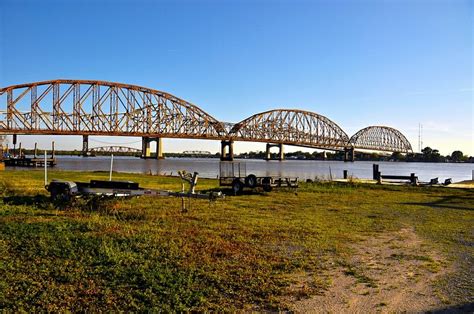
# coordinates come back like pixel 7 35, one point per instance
pixel 114 149
pixel 82 107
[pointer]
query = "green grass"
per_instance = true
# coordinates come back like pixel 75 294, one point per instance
pixel 239 253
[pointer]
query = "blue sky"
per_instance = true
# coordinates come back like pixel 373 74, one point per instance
pixel 360 63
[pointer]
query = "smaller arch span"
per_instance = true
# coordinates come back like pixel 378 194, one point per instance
pixel 381 138
pixel 291 127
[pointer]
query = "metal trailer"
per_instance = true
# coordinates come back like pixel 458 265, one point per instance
pixel 234 174
pixel 65 191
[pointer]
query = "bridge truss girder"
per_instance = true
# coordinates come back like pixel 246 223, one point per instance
pixel 114 149
pixel 291 127
pixel 381 138
pixel 102 108
pixel 80 107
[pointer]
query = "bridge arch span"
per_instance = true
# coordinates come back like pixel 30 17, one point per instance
pixel 101 108
pixel 381 138
pixel 114 149
pixel 86 107
pixel 291 127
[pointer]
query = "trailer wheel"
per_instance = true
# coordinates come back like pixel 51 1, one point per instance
pixel 237 186
pixel 267 184
pixel 251 181
pixel 60 194
pixel 267 188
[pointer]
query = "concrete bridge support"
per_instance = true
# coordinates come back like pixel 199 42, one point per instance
pixel 227 154
pixel 349 154
pixel 281 154
pixel 146 151
pixel 85 145
pixel 159 148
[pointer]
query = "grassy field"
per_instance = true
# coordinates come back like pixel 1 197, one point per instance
pixel 244 252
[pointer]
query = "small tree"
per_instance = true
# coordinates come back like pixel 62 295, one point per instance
pixel 427 152
pixel 374 156
pixel 435 155
pixel 397 156
pixel 457 155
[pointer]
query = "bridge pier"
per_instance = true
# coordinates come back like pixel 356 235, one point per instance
pixel 159 148
pixel 227 155
pixel 281 154
pixel 85 145
pixel 146 151
pixel 349 154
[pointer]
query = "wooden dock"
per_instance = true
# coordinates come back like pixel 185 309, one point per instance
pixel 29 162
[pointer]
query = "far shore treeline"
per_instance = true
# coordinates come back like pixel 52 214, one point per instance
pixel 427 155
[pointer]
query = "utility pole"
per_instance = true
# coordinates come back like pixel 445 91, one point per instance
pixel 420 137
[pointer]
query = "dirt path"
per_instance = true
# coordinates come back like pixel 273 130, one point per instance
pixel 387 273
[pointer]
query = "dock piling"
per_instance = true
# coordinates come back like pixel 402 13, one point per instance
pixel 14 144
pixel 375 172
pixel 45 168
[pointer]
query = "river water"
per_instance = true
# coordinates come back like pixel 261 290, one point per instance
pixel 304 169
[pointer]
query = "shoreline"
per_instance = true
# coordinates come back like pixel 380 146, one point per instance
pixel 464 184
